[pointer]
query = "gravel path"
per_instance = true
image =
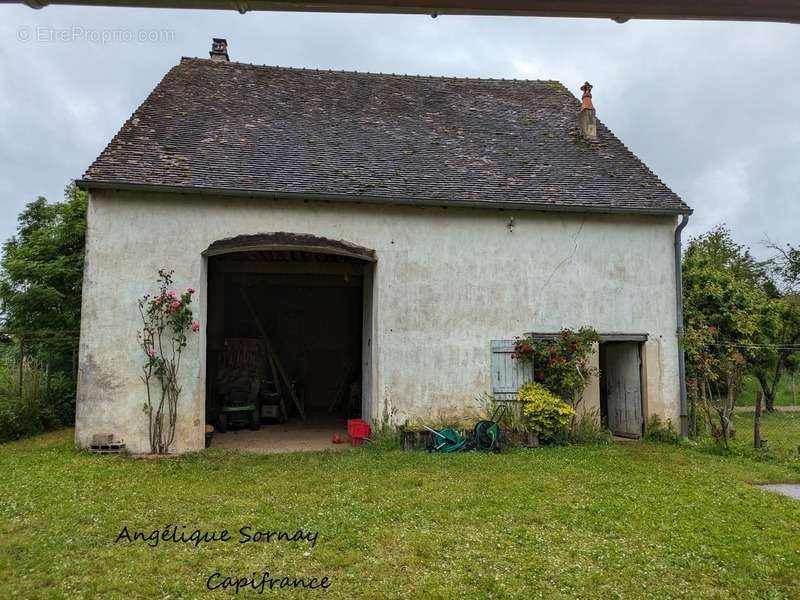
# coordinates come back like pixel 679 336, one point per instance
pixel 787 489
pixel 287 437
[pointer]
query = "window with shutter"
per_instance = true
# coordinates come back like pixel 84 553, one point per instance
pixel 508 375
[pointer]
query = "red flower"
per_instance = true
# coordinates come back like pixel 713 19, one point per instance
pixel 195 326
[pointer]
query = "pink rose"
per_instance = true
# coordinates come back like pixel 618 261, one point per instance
pixel 151 352
pixel 175 305
pixel 172 294
pixel 195 326
pixel 191 290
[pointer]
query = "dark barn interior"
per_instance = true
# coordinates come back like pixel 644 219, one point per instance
pixel 284 339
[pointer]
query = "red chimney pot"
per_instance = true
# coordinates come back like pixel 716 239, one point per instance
pixel 586 88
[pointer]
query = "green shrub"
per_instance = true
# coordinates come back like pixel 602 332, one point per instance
pixel 658 431
pixel 561 364
pixel 46 403
pixel 548 415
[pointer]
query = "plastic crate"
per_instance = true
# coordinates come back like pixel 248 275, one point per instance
pixel 357 429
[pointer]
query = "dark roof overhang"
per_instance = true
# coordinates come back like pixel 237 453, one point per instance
pixel 90 184
pixel 619 10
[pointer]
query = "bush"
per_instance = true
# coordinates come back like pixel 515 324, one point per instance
pixel 46 403
pixel 561 364
pixel 548 415
pixel 657 431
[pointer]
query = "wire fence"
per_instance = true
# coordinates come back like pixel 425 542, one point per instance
pixel 50 351
pixel 776 430
pixel 754 427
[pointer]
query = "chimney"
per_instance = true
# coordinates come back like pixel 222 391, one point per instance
pixel 219 50
pixel 586 118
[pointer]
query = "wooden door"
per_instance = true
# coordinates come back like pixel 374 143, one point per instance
pixel 623 376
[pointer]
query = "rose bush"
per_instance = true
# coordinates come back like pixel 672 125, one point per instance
pixel 166 321
pixel 561 365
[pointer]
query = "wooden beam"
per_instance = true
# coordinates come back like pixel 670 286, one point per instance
pixel 310 281
pixel 604 337
pixel 298 268
pixel 271 352
pixel 619 10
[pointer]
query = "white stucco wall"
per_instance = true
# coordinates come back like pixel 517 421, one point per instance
pixel 447 281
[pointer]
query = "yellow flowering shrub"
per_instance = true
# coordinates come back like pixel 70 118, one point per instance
pixel 548 415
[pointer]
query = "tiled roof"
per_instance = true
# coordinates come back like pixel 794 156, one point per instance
pixel 271 130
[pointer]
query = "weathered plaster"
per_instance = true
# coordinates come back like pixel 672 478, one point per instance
pixel 447 281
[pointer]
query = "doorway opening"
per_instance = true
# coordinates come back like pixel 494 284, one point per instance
pixel 285 347
pixel 621 395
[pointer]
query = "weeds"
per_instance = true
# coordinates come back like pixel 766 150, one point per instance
pixel 589 430
pixel 658 431
pixel 385 435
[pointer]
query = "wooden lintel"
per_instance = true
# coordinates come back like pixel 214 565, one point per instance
pixel 604 337
pixel 287 268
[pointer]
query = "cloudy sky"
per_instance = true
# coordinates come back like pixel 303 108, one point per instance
pixel 710 107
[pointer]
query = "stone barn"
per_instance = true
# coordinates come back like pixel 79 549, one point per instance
pixel 371 244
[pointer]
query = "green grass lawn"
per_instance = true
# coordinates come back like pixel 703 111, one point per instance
pixel 780 429
pixel 631 520
pixel 786 396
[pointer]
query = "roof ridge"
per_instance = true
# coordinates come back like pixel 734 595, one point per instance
pixel 368 73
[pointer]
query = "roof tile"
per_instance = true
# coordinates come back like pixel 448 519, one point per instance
pixel 237 127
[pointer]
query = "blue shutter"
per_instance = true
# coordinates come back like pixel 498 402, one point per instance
pixel 508 375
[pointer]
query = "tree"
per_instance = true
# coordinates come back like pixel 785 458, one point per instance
pixel 41 270
pixel 783 354
pixel 730 312
pixel 787 267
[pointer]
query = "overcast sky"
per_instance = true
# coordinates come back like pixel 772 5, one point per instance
pixel 711 108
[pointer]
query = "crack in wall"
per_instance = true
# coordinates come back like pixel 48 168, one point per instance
pixel 566 259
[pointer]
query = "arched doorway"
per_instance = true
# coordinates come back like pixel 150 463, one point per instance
pixel 289 328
